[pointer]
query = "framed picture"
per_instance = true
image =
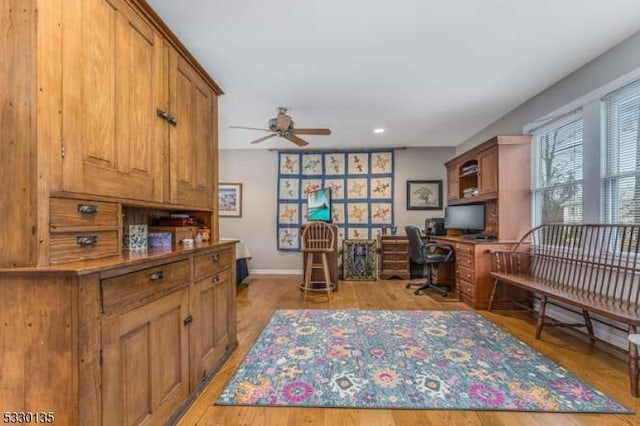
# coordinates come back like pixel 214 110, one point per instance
pixel 359 260
pixel 424 195
pixel 230 199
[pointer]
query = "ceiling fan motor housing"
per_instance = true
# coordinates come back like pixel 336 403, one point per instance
pixel 273 126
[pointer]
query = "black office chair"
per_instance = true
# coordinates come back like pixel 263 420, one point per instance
pixel 428 254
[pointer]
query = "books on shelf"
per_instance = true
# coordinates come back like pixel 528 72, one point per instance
pixel 470 192
pixel 468 170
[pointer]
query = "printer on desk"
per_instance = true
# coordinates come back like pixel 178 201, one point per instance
pixel 434 226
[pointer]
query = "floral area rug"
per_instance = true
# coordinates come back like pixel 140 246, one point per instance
pixel 453 360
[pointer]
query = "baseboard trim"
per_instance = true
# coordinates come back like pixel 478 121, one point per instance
pixel 275 271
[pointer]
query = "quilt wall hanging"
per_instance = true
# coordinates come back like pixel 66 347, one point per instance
pixel 361 185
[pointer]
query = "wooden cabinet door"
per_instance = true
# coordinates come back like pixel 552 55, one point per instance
pixel 488 171
pixel 452 183
pixel 210 331
pixel 193 136
pixel 114 79
pixel 145 362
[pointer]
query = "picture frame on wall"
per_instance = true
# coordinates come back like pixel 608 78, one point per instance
pixel 424 195
pixel 230 199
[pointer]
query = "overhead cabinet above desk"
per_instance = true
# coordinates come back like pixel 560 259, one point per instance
pixel 497 174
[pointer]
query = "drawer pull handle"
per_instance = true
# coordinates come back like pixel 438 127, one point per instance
pixel 188 320
pixel 87 240
pixel 156 276
pixel 215 257
pixel 215 279
pixel 87 208
pixel 162 114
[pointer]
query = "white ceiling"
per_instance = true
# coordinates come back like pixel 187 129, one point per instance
pixel 432 72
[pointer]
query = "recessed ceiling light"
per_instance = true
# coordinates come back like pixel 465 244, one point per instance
pixel 378 130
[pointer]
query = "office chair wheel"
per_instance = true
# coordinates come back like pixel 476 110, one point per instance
pixel 417 292
pixel 408 285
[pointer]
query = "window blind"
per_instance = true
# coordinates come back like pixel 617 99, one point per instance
pixel 557 172
pixel 622 161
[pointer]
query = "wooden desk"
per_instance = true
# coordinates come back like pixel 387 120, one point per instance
pixel 332 259
pixel 472 268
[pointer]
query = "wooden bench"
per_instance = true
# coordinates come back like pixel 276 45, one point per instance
pixel 594 268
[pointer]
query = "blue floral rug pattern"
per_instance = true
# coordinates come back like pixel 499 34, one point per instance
pixel 453 360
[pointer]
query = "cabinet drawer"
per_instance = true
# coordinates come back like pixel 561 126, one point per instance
pixel 465 274
pixel 391 266
pixel 464 249
pixel 466 287
pixel 66 213
pixel 208 264
pixel 464 261
pixel 402 257
pixel 218 278
pixel 395 248
pixel 127 291
pixel 73 246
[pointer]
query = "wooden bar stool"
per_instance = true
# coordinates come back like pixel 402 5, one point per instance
pixel 317 241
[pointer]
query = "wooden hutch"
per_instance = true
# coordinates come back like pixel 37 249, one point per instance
pixel 496 174
pixel 107 121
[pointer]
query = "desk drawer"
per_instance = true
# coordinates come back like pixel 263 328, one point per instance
pixel 67 213
pixel 74 246
pixel 127 291
pixel 465 274
pixel 464 249
pixel 208 264
pixel 464 261
pixel 466 287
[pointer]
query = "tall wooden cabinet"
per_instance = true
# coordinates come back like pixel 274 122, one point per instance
pixel 114 76
pixel 102 101
pixel 497 174
pixel 107 121
pixel 193 108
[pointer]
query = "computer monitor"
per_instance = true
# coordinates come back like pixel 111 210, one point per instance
pixel 467 218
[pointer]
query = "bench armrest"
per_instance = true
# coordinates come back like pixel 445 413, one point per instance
pixel 508 261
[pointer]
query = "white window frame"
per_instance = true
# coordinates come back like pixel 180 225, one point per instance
pixel 609 214
pixel 536 189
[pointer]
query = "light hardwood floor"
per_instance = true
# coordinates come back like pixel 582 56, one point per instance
pixel 598 365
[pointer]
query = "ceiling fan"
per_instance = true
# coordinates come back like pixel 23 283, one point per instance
pixel 282 126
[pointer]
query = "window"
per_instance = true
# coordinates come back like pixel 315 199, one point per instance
pixel 622 156
pixel 557 171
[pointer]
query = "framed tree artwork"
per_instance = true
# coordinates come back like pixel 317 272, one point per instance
pixel 424 195
pixel 230 199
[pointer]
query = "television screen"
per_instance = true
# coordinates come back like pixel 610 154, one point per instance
pixel 319 205
pixel 469 217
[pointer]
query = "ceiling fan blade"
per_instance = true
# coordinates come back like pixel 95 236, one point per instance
pixel 296 140
pixel 311 131
pixel 264 138
pixel 249 128
pixel 284 121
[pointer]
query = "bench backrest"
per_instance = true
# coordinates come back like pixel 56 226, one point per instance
pixel 601 259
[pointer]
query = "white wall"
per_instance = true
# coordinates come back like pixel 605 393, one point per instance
pixel 257 170
pixel 615 64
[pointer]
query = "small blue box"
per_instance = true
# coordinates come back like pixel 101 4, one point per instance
pixel 160 240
